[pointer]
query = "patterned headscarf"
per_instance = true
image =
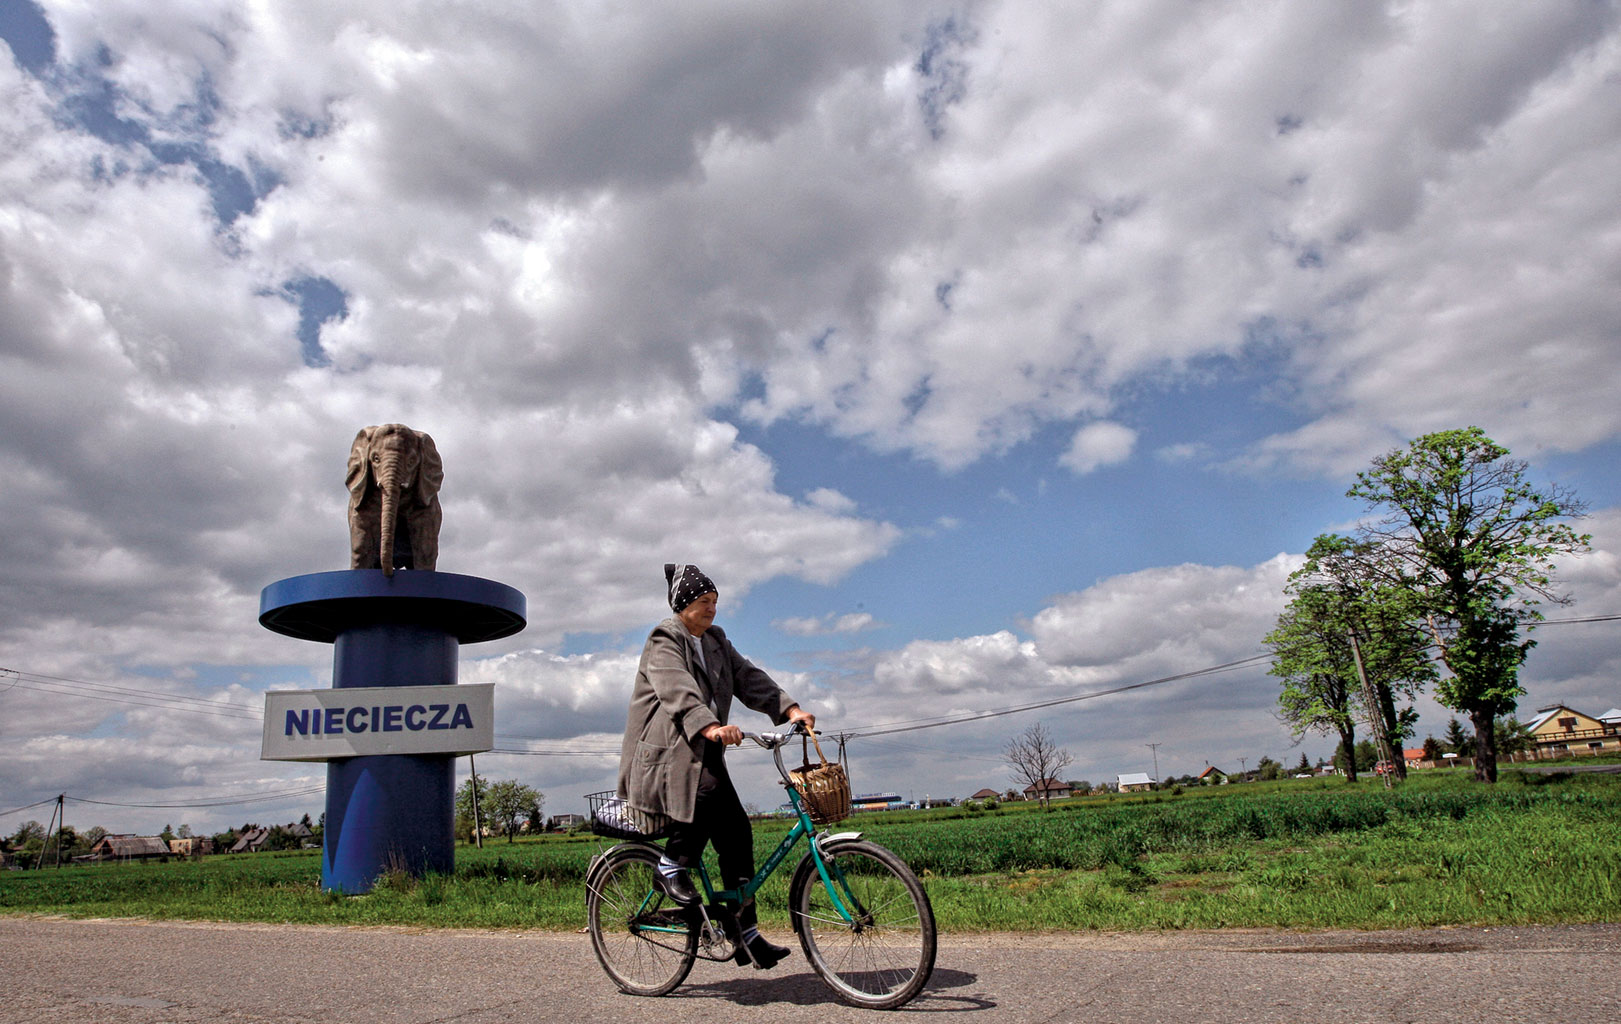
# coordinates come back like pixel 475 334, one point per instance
pixel 687 583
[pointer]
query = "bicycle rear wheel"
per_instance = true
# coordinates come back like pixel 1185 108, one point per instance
pixel 643 940
pixel 883 955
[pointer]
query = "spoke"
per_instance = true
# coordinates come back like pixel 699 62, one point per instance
pixel 879 954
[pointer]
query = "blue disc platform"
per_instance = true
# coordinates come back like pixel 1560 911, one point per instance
pixel 393 810
pixel 324 604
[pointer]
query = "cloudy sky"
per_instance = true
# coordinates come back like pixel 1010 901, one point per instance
pixel 984 353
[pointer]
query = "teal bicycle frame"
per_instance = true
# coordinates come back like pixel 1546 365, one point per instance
pixel 832 877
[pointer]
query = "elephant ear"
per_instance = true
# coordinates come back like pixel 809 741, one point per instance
pixel 430 474
pixel 355 479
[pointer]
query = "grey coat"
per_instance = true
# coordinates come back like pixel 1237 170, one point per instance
pixel 670 707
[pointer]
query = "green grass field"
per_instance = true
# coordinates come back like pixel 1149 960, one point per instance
pixel 1439 850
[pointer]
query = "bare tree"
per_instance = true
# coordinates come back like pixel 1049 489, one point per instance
pixel 1036 760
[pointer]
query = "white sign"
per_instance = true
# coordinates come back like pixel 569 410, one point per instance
pixel 319 725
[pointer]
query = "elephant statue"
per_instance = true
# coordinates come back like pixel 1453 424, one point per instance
pixel 394 514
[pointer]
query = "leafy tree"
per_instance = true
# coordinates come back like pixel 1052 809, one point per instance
pixel 1361 626
pixel 1456 738
pixel 1304 765
pixel 1311 654
pixel 508 802
pixel 1367 755
pixel 1363 757
pixel 1338 594
pixel 1033 758
pixel 28 842
pixel 1475 544
pixel 1511 736
pixel 1266 769
pixel 1432 749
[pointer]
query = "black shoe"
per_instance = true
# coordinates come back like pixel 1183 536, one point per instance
pixel 679 888
pixel 761 952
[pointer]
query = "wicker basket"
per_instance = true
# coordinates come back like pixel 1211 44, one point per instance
pixel 824 788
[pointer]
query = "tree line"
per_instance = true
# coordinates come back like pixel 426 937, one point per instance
pixel 33 843
pixel 502 808
pixel 1438 589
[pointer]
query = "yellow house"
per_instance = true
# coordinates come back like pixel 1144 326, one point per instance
pixel 1560 731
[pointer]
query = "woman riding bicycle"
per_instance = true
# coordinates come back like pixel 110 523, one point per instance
pixel 673 761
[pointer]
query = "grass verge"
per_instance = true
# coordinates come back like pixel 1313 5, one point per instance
pixel 1440 850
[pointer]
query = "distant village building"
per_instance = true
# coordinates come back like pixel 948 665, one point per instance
pixel 125 847
pixel 1213 776
pixel 876 802
pixel 1134 781
pixel 192 846
pixel 1052 789
pixel 564 822
pixel 254 839
pixel 1561 731
pixel 986 794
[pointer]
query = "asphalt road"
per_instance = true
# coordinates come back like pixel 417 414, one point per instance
pixel 136 972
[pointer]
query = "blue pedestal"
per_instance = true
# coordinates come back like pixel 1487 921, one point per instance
pixel 390 811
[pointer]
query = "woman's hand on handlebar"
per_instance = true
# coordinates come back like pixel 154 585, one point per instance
pixel 798 715
pixel 730 735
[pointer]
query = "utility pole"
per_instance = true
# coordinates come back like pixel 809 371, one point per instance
pixel 1243 769
pixel 478 829
pixel 1155 748
pixel 1376 717
pixel 53 829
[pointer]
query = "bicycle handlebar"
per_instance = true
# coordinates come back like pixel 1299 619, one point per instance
pixel 774 740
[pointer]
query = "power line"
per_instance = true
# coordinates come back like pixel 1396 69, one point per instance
pixel 177 805
pixel 28 807
pixel 1567 622
pixel 975 716
pixel 891 744
pixel 553 753
pixel 212 802
pixel 64 686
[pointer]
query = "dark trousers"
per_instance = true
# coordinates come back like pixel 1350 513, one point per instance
pixel 718 817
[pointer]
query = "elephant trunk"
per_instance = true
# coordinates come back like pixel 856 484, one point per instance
pixel 389 492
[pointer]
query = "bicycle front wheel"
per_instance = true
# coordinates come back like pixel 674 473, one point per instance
pixel 870 935
pixel 643 940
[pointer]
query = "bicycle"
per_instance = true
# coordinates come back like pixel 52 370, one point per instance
pixel 862 917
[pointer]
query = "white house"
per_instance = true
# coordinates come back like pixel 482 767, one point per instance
pixel 1134 781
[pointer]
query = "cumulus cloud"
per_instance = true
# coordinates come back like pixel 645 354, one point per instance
pixel 1163 620
pixel 1099 444
pixel 831 623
